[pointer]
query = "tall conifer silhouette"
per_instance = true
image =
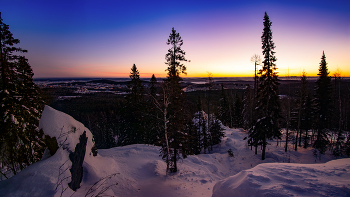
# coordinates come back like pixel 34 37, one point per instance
pixel 176 124
pixel 323 105
pixel 268 104
pixel 20 108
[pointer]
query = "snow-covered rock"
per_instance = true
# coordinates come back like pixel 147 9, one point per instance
pixel 50 177
pixel 277 179
pixel 65 128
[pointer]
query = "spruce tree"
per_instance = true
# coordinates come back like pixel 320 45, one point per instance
pixel 303 113
pixel 307 120
pixel 31 105
pixel 223 109
pixel 323 102
pixel 153 115
pixel 338 115
pixel 199 125
pixel 216 132
pixel 104 138
pixel 247 111
pixel 21 106
pixel 268 104
pixel 237 112
pixel 201 129
pixel 134 122
pixel 152 88
pixel 176 124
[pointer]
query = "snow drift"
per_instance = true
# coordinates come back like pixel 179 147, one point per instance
pixel 276 179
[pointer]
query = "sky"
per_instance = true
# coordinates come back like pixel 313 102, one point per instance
pixel 104 38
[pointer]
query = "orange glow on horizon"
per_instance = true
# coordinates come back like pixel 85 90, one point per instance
pixel 147 73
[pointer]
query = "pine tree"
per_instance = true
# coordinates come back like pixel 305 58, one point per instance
pixel 176 124
pixel 323 102
pixel 247 111
pixel 21 106
pixel 200 124
pixel 237 112
pixel 268 104
pixel 134 122
pixel 194 129
pixel 216 132
pixel 153 117
pixel 307 120
pixel 153 83
pixel 136 87
pixel 338 115
pixel 104 138
pixel 223 109
pixel 209 121
pixel 303 113
pixel 31 105
pixel 201 130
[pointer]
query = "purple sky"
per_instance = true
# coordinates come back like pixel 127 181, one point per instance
pixel 105 38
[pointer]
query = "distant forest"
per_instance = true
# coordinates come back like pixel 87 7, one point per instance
pixel 91 109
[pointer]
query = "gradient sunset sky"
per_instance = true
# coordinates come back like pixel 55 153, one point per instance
pixel 105 38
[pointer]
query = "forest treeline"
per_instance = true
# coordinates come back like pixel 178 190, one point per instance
pixel 314 114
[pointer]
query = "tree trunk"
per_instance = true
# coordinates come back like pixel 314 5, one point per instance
pixel 296 140
pixel 300 138
pixel 263 149
pixel 287 136
pixel 175 156
pixel 166 140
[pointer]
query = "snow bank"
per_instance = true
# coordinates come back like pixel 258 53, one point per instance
pixel 277 179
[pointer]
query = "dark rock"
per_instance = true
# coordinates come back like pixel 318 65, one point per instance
pixel 51 144
pixel 94 150
pixel 77 159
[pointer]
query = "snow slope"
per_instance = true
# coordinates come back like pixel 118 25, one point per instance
pixel 276 179
pixel 137 170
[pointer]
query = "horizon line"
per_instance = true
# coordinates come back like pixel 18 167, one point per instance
pixel 165 77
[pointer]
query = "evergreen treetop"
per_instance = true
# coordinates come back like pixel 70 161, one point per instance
pixel 175 110
pixel 323 93
pixel 174 56
pixel 135 86
pixel 153 83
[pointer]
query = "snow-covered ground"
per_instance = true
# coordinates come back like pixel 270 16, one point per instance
pixel 137 170
pixel 276 179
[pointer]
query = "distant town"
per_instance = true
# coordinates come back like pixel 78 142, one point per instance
pixel 119 85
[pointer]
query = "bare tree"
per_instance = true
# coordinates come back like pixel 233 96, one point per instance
pixel 163 107
pixel 257 61
pixel 210 85
pixel 288 116
pixel 301 103
pixel 339 136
